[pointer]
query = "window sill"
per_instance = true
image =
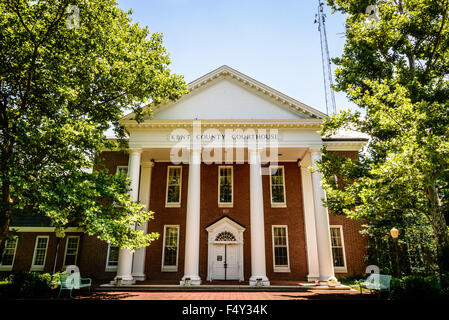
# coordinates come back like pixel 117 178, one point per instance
pixel 165 269
pixel 5 268
pixel 225 205
pixel 173 205
pixel 282 269
pixel 279 205
pixel 340 270
pixel 110 269
pixel 37 268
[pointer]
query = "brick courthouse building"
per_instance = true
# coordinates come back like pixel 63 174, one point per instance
pixel 226 169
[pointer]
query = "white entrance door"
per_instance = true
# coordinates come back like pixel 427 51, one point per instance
pixel 225 265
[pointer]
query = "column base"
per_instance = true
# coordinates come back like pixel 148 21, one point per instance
pixel 259 281
pixel 139 276
pixel 123 281
pixel 312 278
pixel 190 281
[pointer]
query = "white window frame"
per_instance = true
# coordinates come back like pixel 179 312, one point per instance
pixel 170 268
pixel 173 204
pixel 108 267
pixel 280 268
pixel 39 267
pixel 226 204
pixel 66 247
pixel 120 167
pixel 343 269
pixel 278 204
pixel 8 267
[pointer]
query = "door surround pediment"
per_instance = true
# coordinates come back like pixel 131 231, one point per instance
pixel 229 232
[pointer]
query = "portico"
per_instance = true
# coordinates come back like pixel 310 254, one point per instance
pixel 259 129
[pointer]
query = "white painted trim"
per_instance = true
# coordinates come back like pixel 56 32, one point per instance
pixel 224 224
pixel 170 268
pixel 39 267
pixel 120 167
pixel 345 268
pixel 9 267
pixel 280 268
pixel 66 247
pixel 109 268
pixel 314 124
pixel 44 229
pixel 226 204
pixel 243 80
pixel 344 145
pixel 173 204
pixel 278 204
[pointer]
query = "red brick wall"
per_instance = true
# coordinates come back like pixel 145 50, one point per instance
pixel 25 250
pixel 111 159
pixel 164 216
pixel 92 253
pixel 355 244
pixel 292 216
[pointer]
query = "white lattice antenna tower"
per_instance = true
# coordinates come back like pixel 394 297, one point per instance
pixel 320 19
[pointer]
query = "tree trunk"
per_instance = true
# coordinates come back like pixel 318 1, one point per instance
pixel 4 227
pixel 440 230
pixel 442 240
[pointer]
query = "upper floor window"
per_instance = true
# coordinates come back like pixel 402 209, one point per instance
pixel 9 254
pixel 122 169
pixel 338 249
pixel 277 186
pixel 71 250
pixel 174 178
pixel 225 184
pixel 40 253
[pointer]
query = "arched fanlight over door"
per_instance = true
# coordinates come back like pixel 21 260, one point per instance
pixel 225 236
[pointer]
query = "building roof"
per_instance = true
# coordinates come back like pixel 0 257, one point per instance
pixel 225 71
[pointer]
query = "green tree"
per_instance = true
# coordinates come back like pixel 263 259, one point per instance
pixel 396 69
pixel 67 73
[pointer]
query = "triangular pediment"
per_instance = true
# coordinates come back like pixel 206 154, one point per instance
pixel 228 94
pixel 223 222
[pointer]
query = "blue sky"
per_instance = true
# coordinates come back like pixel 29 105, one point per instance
pixel 275 42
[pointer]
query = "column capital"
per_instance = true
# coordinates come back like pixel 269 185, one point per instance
pixel 147 164
pixel 313 149
pixel 135 150
pixel 306 160
pixel 255 150
pixel 195 149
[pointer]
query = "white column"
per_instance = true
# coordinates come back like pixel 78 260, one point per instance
pixel 258 266
pixel 125 257
pixel 309 219
pixel 144 198
pixel 322 223
pixel 192 245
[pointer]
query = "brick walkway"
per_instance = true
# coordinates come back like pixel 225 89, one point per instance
pixel 305 295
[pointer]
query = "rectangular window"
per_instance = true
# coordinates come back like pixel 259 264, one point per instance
pixel 277 186
pixel 9 254
pixel 122 169
pixel 338 249
pixel 173 187
pixel 71 250
pixel 40 253
pixel 112 258
pixel 170 249
pixel 280 249
pixel 225 183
